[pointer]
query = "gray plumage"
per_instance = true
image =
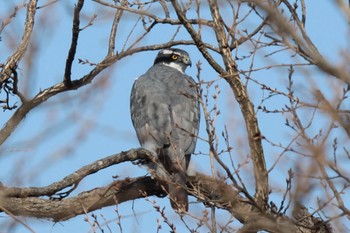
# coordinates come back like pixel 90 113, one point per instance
pixel 165 113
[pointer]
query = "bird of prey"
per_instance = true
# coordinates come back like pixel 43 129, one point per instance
pixel 165 114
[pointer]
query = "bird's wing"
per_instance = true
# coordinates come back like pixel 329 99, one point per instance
pixel 165 110
pixel 150 113
pixel 186 115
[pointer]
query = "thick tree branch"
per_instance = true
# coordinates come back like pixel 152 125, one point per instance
pixel 247 108
pixel 85 202
pixel 31 202
pixel 77 176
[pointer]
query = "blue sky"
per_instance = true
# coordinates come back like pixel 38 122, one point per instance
pixel 96 118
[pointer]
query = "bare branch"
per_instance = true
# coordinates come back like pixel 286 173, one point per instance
pixel 44 95
pixel 254 135
pixel 114 28
pixel 22 47
pixel 303 45
pixel 64 209
pixel 74 43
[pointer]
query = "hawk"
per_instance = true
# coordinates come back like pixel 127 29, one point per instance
pixel 165 114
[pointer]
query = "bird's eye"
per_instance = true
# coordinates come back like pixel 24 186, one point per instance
pixel 174 57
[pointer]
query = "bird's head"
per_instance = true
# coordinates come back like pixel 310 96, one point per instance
pixel 176 58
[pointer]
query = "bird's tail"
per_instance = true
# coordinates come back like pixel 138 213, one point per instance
pixel 178 193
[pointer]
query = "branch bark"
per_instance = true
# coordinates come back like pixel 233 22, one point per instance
pixel 64 209
pixel 31 202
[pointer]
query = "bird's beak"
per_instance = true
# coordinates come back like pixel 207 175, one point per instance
pixel 187 61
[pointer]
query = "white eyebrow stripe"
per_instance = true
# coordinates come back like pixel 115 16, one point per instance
pixel 167 51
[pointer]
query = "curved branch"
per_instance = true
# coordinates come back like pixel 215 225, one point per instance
pixel 85 202
pixel 18 202
pixel 41 97
pixel 77 176
pixel 18 54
